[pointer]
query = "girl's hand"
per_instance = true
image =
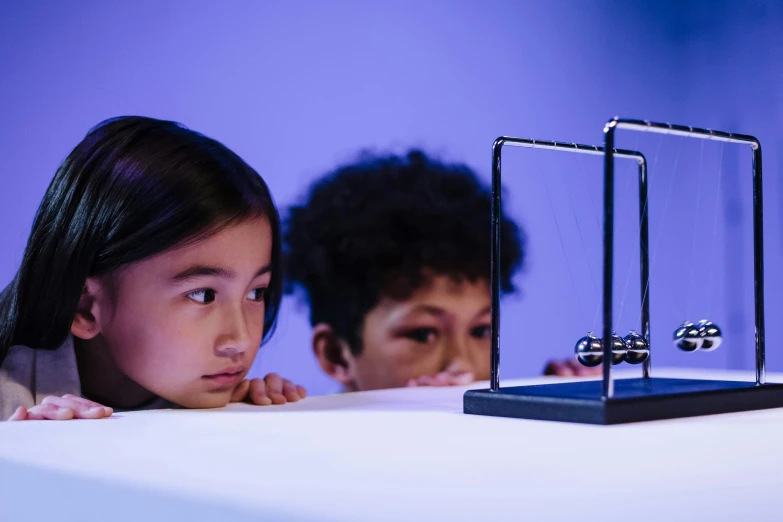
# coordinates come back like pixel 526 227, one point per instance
pixel 66 407
pixel 571 368
pixel 272 389
pixel 443 379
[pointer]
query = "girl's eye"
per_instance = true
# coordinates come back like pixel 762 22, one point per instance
pixel 481 332
pixel 422 335
pixel 256 294
pixel 202 296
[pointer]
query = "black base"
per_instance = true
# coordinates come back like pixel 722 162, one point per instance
pixel 634 400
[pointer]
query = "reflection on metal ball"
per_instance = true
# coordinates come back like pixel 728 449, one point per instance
pixel 637 349
pixel 687 337
pixel 618 349
pixel 589 350
pixel 711 335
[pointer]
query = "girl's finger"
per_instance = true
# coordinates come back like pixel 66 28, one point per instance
pixel 274 388
pixel 240 392
pixel 19 414
pixel 49 412
pixel 302 392
pixel 108 411
pixel 290 391
pixel 258 394
pixel 81 410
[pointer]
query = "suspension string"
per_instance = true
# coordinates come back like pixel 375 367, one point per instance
pixel 715 229
pixel 663 219
pixel 688 298
pixel 560 236
pixel 584 252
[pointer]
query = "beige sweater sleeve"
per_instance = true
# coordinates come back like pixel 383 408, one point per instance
pixel 16 380
pixel 28 375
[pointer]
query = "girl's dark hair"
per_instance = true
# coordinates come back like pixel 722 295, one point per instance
pixel 133 188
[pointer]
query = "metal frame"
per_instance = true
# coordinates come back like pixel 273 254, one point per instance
pixel 758 227
pixel 495 288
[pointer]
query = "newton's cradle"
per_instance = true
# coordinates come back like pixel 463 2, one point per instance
pixel 617 401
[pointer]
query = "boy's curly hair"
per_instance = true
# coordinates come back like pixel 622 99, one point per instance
pixel 381 227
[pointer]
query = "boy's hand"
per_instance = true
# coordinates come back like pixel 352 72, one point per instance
pixel 571 368
pixel 66 407
pixel 443 379
pixel 272 389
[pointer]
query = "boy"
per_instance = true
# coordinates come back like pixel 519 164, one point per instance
pixel 392 256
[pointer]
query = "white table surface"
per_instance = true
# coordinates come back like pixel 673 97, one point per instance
pixel 406 454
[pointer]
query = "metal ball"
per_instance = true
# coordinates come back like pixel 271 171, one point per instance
pixel 687 337
pixel 711 335
pixel 618 349
pixel 589 350
pixel 637 349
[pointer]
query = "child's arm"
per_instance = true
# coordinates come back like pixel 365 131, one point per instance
pixel 272 389
pixel 62 408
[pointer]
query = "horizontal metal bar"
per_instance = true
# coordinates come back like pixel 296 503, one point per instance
pixel 567 147
pixel 682 130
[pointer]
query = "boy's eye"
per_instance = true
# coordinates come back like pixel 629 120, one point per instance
pixel 202 296
pixel 256 294
pixel 422 335
pixel 481 332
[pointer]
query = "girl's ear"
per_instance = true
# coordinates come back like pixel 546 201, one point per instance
pixel 334 355
pixel 87 321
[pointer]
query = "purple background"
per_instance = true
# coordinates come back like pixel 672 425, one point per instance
pixel 295 88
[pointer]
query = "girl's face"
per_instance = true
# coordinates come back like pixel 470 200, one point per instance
pixel 186 325
pixel 444 326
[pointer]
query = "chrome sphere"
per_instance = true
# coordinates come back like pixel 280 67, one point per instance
pixel 637 349
pixel 618 349
pixel 711 335
pixel 687 337
pixel 589 350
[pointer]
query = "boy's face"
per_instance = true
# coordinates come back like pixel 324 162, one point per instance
pixel 443 327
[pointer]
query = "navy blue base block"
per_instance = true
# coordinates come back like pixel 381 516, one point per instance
pixel 634 400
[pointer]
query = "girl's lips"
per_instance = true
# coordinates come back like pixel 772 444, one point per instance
pixel 228 378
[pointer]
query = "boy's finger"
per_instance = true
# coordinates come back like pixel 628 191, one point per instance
pixel 302 391
pixel 442 379
pixel 258 393
pixel 561 369
pixel 460 379
pixel 582 370
pixel 424 380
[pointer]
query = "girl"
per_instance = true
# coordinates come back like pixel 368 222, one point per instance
pixel 150 279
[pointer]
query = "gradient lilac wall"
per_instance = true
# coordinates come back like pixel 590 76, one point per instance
pixel 295 88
